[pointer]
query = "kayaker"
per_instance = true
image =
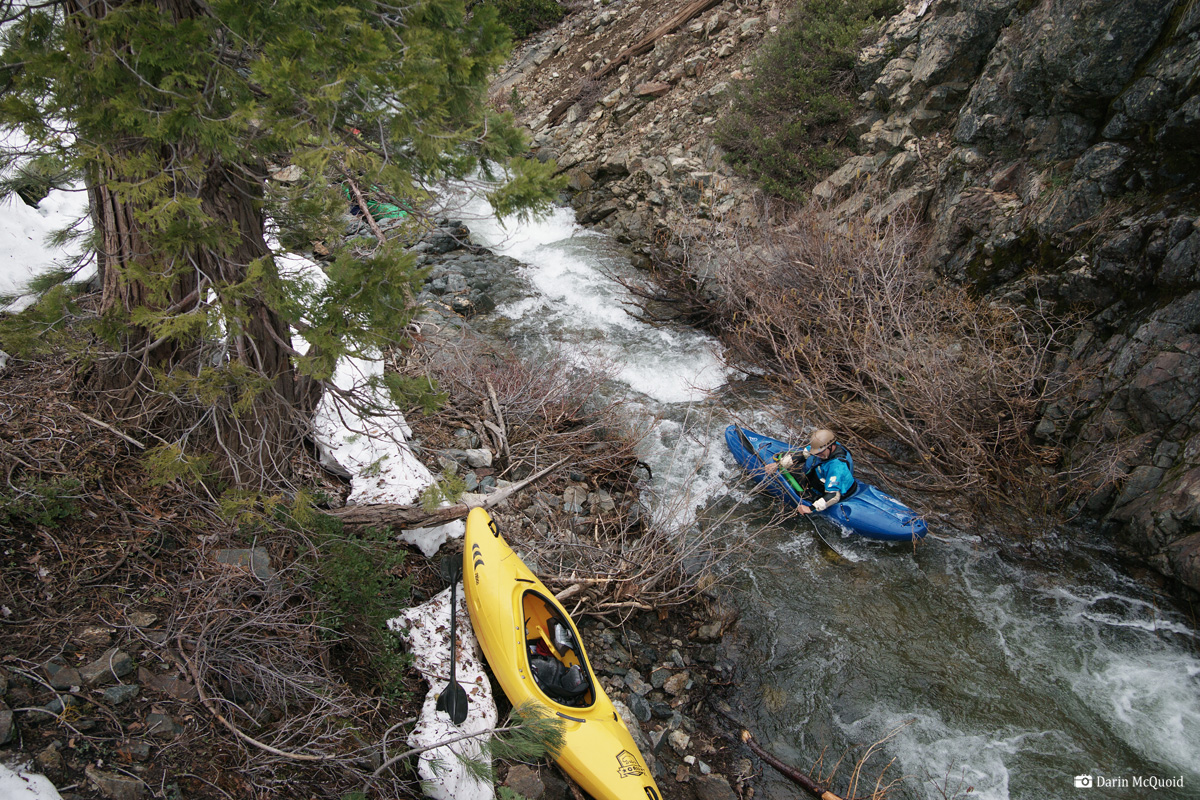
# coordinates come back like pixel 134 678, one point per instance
pixel 827 464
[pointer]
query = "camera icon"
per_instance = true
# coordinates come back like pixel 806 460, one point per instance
pixel 1083 781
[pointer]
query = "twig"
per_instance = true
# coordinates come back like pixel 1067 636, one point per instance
pixel 107 427
pixel 362 205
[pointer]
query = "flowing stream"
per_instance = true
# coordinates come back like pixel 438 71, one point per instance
pixel 1006 670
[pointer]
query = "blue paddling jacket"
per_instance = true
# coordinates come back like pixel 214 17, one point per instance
pixel 833 474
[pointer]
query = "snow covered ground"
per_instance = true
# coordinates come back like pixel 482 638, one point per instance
pixel 17 784
pixel 427 631
pixel 24 250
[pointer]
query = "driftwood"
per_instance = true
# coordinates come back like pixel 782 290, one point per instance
pixel 643 45
pixel 806 783
pixel 395 515
pixel 791 773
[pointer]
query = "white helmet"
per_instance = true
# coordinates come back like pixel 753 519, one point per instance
pixel 821 438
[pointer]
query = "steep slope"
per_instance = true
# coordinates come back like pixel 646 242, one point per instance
pixel 1052 147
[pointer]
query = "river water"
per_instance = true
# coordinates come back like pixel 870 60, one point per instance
pixel 1000 669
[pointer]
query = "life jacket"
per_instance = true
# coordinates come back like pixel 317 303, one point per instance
pixel 841 454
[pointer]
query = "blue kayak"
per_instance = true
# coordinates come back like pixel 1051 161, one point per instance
pixel 868 511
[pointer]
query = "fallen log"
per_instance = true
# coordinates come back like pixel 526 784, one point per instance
pixel 643 45
pixel 646 43
pixel 396 515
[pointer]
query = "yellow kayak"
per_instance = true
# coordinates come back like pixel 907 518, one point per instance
pixel 536 654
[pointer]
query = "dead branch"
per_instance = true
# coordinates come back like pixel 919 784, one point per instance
pixel 107 427
pixel 414 516
pixel 796 776
pixel 366 212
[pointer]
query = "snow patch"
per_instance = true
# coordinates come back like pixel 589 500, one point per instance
pixel 429 540
pixel 426 629
pixel 22 785
pixel 374 451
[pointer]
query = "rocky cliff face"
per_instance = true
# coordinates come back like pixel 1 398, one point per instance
pixel 1053 147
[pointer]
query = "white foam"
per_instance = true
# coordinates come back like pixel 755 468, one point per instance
pixel 1151 700
pixel 943 761
pixel 567 264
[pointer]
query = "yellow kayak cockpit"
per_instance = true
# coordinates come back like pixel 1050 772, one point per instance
pixel 555 658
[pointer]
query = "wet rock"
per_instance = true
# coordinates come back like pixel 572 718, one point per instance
pixel 713 787
pixel 110 667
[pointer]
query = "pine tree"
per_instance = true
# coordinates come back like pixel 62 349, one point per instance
pixel 176 112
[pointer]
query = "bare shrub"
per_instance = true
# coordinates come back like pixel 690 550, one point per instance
pixel 534 413
pixel 854 333
pixel 615 561
pixel 259 663
pixel 590 91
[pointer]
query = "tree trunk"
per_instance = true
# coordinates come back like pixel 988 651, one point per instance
pixel 234 396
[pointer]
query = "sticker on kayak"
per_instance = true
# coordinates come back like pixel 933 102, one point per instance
pixel 628 765
pixel 477 555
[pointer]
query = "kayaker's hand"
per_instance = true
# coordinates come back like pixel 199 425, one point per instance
pixel 804 509
pixel 786 461
pixel 820 504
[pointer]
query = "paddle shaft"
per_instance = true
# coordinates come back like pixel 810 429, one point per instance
pixel 453 699
pixel 773 475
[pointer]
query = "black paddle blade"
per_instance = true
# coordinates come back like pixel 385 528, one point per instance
pixel 453 700
pixel 451 568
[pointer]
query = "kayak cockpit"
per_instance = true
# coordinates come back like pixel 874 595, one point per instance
pixel 555 658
